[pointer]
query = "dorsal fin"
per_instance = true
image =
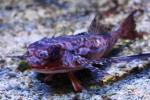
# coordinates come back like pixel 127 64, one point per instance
pixel 96 26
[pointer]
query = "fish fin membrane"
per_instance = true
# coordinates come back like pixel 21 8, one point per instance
pixel 128 27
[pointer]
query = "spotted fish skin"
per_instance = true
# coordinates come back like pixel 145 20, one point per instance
pixel 90 46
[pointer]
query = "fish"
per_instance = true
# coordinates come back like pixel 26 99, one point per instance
pixel 70 53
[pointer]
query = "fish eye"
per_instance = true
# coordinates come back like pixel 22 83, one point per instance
pixel 43 54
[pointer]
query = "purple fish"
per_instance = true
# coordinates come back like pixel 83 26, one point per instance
pixel 66 54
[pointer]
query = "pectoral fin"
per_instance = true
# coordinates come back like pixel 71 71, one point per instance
pixel 75 83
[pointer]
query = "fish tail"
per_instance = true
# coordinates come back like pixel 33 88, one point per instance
pixel 127 29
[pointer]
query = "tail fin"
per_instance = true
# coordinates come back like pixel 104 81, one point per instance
pixel 127 28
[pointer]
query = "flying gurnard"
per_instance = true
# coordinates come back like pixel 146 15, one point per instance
pixel 67 54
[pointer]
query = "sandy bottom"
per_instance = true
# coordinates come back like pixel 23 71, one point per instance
pixel 25 21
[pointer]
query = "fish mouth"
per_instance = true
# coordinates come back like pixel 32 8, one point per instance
pixel 35 62
pixel 55 71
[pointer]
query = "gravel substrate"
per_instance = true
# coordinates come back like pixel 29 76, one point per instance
pixel 25 21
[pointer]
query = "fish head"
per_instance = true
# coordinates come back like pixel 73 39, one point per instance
pixel 41 58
